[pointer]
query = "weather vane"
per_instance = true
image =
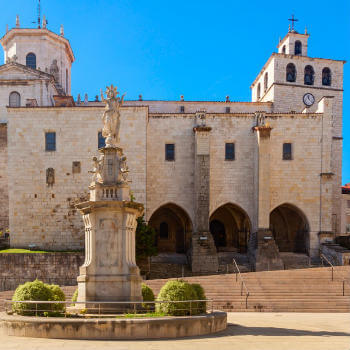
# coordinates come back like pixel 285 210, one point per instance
pixel 293 20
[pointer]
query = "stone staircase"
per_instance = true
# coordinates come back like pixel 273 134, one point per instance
pixel 301 290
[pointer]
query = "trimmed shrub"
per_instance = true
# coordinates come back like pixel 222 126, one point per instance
pixel 202 305
pixel 38 291
pixel 147 295
pixel 177 291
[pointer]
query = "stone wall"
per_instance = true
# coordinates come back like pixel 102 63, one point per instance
pixel 4 198
pixel 55 268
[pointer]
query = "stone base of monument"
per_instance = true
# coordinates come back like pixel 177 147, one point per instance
pixel 112 328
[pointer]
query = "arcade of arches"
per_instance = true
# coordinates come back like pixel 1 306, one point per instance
pixel 230 228
pixel 173 227
pixel 290 229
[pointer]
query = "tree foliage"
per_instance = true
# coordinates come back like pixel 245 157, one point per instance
pixel 145 239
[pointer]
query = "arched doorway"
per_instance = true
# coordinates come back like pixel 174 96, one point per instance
pixel 173 227
pixel 230 228
pixel 290 229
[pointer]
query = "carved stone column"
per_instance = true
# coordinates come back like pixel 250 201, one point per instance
pixel 267 256
pixel 204 256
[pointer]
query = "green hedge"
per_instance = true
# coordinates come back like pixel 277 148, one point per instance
pixel 38 291
pixel 180 291
pixel 147 295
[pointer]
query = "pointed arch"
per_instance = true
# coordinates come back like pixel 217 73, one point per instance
pixel 290 228
pixel 230 227
pixel 173 227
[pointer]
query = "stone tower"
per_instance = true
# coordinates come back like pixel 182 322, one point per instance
pixel 296 83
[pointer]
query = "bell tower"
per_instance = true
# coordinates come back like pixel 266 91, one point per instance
pixel 42 50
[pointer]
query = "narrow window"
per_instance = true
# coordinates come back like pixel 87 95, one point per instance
pixel 182 109
pixel 229 151
pixel 309 75
pixel 297 48
pixel 101 140
pixel 170 151
pixel 287 151
pixel 326 77
pixel 284 49
pixel 15 99
pixel 258 92
pixel 291 73
pixel 31 60
pixel 67 81
pixel 266 81
pixel 50 141
pixel 227 109
pixel 164 230
pixel 76 167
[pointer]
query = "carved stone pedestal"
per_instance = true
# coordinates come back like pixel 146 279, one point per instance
pixel 109 272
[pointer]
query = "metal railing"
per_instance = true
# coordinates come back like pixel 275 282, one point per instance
pixel 104 308
pixel 243 285
pixel 324 258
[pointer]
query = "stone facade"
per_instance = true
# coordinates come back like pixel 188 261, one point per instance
pixel 203 190
pixel 345 219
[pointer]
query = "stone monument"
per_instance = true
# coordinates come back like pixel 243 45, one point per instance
pixel 109 272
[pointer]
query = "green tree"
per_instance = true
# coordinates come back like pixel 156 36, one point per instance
pixel 145 239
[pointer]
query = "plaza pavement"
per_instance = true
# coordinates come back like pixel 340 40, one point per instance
pixel 246 331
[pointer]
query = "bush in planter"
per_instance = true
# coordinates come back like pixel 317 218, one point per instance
pixel 202 305
pixel 38 291
pixel 147 295
pixel 177 291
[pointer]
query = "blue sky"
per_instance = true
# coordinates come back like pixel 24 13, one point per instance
pixel 202 49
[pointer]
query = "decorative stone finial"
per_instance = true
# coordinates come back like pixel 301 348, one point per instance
pixel 111 116
pixel 17 21
pixel 96 98
pixel 305 30
pixel 62 30
pixel 289 30
pixel 140 97
pixel 78 99
pixel 182 98
pixel 7 28
pixel 86 99
pixel 227 98
pixel 44 22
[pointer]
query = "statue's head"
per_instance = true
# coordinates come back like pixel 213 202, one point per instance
pixel 94 159
pixel 111 92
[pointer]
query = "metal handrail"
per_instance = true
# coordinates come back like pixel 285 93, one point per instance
pixel 323 257
pixel 97 304
pixel 243 285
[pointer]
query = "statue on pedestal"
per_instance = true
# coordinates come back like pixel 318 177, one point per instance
pixel 111 116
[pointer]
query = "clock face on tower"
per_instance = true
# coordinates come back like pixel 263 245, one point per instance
pixel 308 99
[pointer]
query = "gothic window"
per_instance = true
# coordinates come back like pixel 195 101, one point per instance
pixel 309 75
pixel 287 151
pixel 291 73
pixel 229 151
pixel 266 81
pixel 326 77
pixel 164 230
pixel 50 177
pixel 15 99
pixel 50 141
pixel 297 48
pixel 31 60
pixel 284 49
pixel 258 92
pixel 170 151
pixel 101 140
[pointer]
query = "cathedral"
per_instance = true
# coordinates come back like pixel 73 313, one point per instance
pixel 259 178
